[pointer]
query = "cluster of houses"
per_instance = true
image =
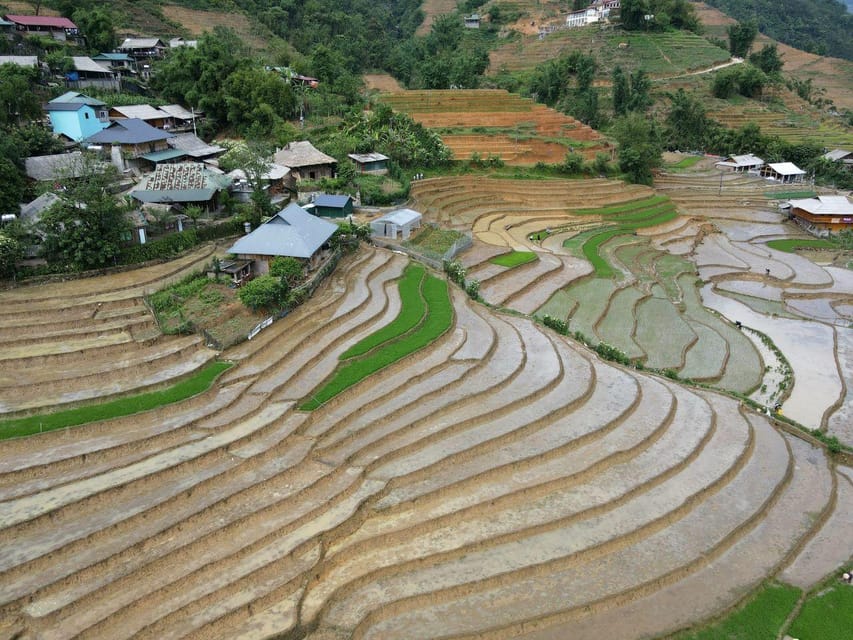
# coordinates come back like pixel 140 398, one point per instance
pixel 598 11
pixel 821 215
pixel 167 169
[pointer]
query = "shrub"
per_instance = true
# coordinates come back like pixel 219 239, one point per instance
pixel 455 271
pixel 166 247
pixel 473 289
pixel 560 326
pixel 287 269
pixel 609 352
pixel 265 292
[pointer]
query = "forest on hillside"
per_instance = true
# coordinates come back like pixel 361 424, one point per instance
pixel 818 26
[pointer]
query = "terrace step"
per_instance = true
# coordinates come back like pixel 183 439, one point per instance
pixel 437 595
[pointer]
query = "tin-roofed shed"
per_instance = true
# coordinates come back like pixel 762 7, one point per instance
pixel 400 222
pixel 333 206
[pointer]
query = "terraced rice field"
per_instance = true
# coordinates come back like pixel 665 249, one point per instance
pixel 800 127
pixel 497 123
pixel 502 482
pixel 659 55
pixel 69 342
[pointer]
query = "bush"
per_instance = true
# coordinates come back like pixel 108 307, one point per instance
pixel 560 326
pixel 264 292
pixel 609 352
pixel 473 289
pixel 287 269
pixel 455 272
pixel 166 247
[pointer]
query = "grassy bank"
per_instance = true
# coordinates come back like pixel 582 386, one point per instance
pixel 193 385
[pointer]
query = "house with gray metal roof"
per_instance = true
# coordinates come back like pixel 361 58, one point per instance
pixel 182 184
pixel 375 163
pixel 292 232
pixel 145 112
pixel 400 222
pixel 125 141
pixel 333 206
pixel 88 73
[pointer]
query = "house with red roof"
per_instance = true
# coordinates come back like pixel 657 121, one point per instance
pixel 57 27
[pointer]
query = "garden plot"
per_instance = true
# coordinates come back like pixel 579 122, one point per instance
pixel 399 506
pixel 618 325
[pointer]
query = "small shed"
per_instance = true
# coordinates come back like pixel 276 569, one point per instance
pixel 374 163
pixel 472 21
pixel 333 206
pixel 400 222
pixel 784 172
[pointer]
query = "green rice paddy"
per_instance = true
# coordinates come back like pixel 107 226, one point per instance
pixel 436 316
pixel 196 383
pixel 790 245
pixel 514 259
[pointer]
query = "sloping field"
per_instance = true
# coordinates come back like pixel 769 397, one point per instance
pixel 492 121
pixel 198 22
pixel 659 54
pixel 432 9
pixel 502 482
pixel 803 127
pixel 69 342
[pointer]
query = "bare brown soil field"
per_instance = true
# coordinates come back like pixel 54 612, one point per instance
pixel 499 123
pixel 451 495
pixel 198 22
pixel 381 82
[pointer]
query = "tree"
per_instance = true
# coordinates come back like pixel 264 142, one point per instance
pixel 633 13
pixel 289 270
pixel 639 147
pixel 620 92
pixel 11 253
pixel 12 189
pixel 87 228
pixel 17 100
pixel 97 24
pixel 741 37
pixel 264 292
pixel 640 98
pixel 687 121
pixel 768 59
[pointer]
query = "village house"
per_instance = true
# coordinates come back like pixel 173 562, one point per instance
pixel 118 62
pixel 305 161
pixel 182 119
pixel 145 112
pixel 292 232
pixel 784 172
pixel 741 164
pixel 144 51
pixel 88 73
pixel 60 167
pixel 174 43
pixel 823 215
pixel 194 147
pixel 840 155
pixel 75 116
pixel 181 185
pixel 7 29
pixel 374 163
pixel 57 28
pixel 472 21
pixel 125 141
pixel 275 181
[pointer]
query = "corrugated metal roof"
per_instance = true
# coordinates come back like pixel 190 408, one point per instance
pixel 367 157
pixel 332 201
pixel 786 169
pixel 193 145
pixel 400 217
pixel 75 97
pixel 168 154
pixel 129 131
pixel 173 195
pixel 56 166
pixel 42 21
pixel 21 61
pixel 177 111
pixel 115 57
pixel 141 43
pixel 825 205
pixel 141 111
pixel 85 63
pixel 291 232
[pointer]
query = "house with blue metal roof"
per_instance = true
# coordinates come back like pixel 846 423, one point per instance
pixel 333 206
pixel 125 141
pixel 292 232
pixel 76 116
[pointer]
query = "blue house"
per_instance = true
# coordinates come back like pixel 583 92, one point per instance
pixel 77 116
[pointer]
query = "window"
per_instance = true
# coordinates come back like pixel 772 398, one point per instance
pixel 311 175
pixel 86 115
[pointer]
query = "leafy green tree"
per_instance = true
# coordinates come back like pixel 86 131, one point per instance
pixel 87 228
pixel 97 25
pixel 17 101
pixel 640 97
pixel 264 292
pixel 257 100
pixel 288 270
pixel 633 14
pixel 11 187
pixel 11 253
pixel 768 59
pixel 639 147
pixel 686 122
pixel 741 37
pixel 621 91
